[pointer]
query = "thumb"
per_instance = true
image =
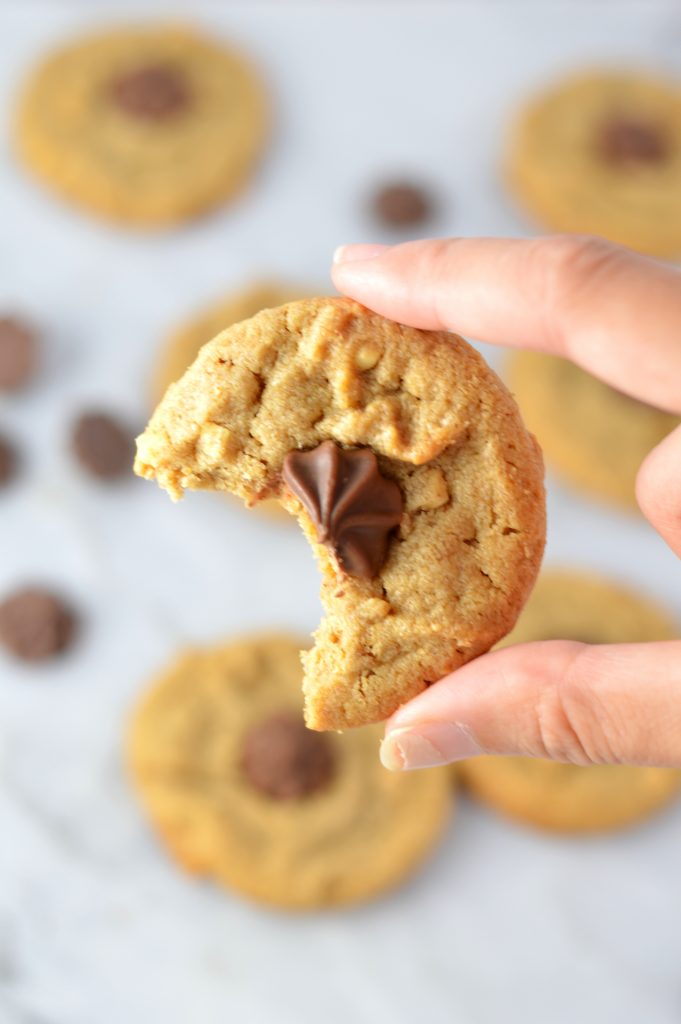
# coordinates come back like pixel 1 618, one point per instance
pixel 561 700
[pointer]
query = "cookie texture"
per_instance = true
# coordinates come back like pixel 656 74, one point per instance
pixel 147 125
pixel 571 798
pixel 238 795
pixel 183 346
pixel 592 435
pixel 438 423
pixel 600 152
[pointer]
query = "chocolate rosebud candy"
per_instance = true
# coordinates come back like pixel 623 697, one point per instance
pixel 353 506
pixel 285 760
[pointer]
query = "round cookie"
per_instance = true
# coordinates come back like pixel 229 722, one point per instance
pixel 409 468
pixel 592 435
pixel 563 797
pixel 240 791
pixel 600 153
pixel 147 125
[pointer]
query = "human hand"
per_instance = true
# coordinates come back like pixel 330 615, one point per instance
pixel 617 315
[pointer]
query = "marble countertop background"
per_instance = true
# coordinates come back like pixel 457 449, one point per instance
pixel 96 927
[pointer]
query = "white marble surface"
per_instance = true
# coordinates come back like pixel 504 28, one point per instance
pixel 95 926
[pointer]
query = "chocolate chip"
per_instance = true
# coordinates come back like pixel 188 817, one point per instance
pixel 8 462
pixel 35 624
pixel 352 504
pixel 18 354
pixel 628 140
pixel 103 446
pixel 401 204
pixel 285 760
pixel 151 93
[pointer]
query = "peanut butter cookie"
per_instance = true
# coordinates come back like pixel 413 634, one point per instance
pixel 240 791
pixel 144 125
pixel 569 798
pixel 592 435
pixel 601 153
pixel 409 468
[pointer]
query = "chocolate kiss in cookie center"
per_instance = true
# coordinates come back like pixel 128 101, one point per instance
pixel 353 506
pixel 627 140
pixel 152 92
pixel 285 760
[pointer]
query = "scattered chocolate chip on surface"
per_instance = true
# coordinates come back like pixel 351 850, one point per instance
pixel 8 462
pixel 401 205
pixel 103 446
pixel 35 624
pixel 285 760
pixel 18 354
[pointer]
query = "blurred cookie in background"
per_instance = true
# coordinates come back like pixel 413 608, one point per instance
pixel 240 791
pixel 600 152
pixel 147 125
pixel 569 798
pixel 592 435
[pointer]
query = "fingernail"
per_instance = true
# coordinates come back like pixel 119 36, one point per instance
pixel 354 253
pixel 427 746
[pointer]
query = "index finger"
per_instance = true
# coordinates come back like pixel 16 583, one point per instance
pixel 613 312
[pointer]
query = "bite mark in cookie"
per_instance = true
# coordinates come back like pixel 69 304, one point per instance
pixel 147 125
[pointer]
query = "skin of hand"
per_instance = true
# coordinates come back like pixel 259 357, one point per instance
pixel 617 315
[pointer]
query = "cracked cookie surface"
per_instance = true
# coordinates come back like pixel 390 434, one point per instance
pixel 565 797
pixel 441 426
pixel 182 348
pixel 146 125
pixel 238 793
